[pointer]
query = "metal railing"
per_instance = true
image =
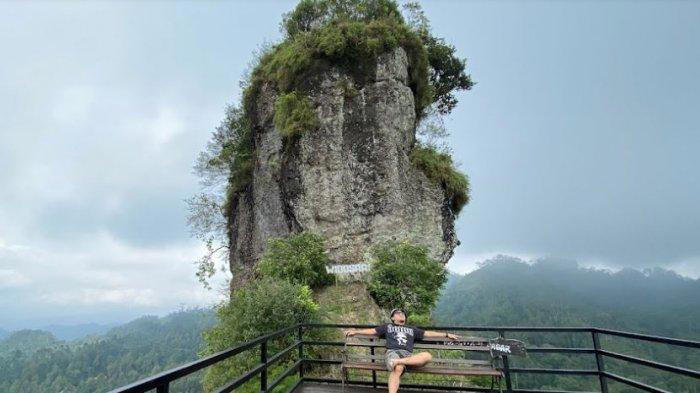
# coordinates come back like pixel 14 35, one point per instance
pixel 161 382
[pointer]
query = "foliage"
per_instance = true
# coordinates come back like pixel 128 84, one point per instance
pixel 439 168
pixel 125 354
pixel 294 114
pixel 419 320
pixel 447 71
pixel 506 291
pixel 27 340
pixel 311 14
pixel 402 275
pixel 261 307
pixel 225 167
pixel 299 258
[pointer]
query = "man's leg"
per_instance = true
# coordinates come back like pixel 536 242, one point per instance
pixel 418 360
pixel 395 378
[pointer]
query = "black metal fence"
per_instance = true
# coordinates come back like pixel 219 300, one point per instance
pixel 161 382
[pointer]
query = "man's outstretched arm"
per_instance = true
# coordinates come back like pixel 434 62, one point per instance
pixel 368 332
pixel 434 334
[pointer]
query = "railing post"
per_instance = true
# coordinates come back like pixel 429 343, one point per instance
pixel 263 372
pixel 374 373
pixel 506 367
pixel 301 351
pixel 599 362
pixel 164 388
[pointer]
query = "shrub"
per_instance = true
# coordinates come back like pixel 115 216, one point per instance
pixel 402 275
pixel 439 168
pixel 261 307
pixel 419 320
pixel 446 73
pixel 347 43
pixel 310 14
pixel 298 258
pixel 294 114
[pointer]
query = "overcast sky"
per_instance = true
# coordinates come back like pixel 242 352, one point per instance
pixel 580 138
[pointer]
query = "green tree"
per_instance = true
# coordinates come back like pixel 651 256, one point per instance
pixel 262 306
pixel 403 275
pixel 299 258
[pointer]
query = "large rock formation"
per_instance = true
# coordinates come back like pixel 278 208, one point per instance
pixel 350 180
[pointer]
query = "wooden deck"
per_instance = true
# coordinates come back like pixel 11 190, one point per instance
pixel 317 387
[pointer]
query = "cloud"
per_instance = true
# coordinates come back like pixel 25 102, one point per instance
pixel 101 126
pixel 106 274
pixel 12 279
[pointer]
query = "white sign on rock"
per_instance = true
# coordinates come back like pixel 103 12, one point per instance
pixel 348 269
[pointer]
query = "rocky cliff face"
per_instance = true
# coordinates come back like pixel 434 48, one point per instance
pixel 350 180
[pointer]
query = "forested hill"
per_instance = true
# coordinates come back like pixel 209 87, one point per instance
pixel 35 361
pixel 508 291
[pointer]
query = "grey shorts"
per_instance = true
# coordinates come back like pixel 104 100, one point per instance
pixel 395 354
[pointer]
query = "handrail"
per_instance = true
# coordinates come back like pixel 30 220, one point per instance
pixel 161 381
pixel 165 377
pixel 465 328
pixel 647 337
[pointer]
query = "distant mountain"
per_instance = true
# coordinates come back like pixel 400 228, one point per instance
pixel 3 333
pixel 28 341
pixel 74 332
pixel 506 291
pixel 34 361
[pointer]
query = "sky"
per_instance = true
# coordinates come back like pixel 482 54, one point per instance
pixel 580 139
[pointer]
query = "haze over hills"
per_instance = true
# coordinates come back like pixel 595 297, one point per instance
pixel 508 291
pixel 74 332
pixel 35 361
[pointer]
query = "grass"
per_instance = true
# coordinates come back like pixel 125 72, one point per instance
pixel 345 43
pixel 439 168
pixel 294 115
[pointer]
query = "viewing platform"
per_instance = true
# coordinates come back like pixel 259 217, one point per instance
pixel 308 373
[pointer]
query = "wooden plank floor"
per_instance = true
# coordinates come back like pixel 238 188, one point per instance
pixel 317 387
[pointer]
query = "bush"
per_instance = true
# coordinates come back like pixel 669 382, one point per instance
pixel 346 43
pixel 402 275
pixel 261 307
pixel 310 14
pixel 419 320
pixel 294 114
pixel 439 168
pixel 446 73
pixel 299 258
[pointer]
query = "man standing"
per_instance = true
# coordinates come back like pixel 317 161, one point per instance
pixel 399 345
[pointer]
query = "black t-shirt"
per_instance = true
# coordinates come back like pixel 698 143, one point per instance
pixel 399 336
